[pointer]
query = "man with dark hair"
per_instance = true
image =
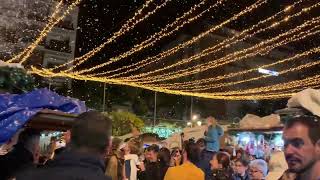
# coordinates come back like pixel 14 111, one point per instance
pixel 24 154
pixel 302 145
pixel 301 134
pixel 205 158
pixel 83 158
pixel 153 151
pixel 188 170
pixel 152 166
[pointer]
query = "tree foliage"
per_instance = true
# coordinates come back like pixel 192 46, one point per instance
pixel 15 80
pixel 123 122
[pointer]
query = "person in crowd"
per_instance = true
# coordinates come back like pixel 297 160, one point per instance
pixel 252 157
pixel 115 161
pixel 176 157
pixel 151 170
pixel 83 158
pixel 146 155
pixel 301 136
pixel 220 166
pixel 132 163
pixel 258 169
pixel 212 135
pixel 205 158
pixel 188 170
pixel 277 165
pixel 153 152
pixel 239 154
pixel 241 169
pixel 24 155
pixel 164 161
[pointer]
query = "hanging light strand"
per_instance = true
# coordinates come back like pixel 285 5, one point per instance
pixel 159 35
pixel 307 65
pixel 203 95
pixel 236 56
pixel 225 43
pixel 43 34
pixel 314 80
pixel 34 45
pixel 192 84
pixel 193 40
pixel 124 29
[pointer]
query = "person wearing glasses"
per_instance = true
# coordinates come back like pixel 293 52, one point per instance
pixel 258 169
pixel 301 134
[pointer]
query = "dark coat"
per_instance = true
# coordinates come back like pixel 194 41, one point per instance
pixel 14 161
pixel 204 162
pixel 68 166
pixel 221 174
pixel 153 172
pixel 238 177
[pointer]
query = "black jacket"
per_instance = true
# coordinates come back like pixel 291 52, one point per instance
pixel 238 177
pixel 14 161
pixel 221 174
pixel 68 166
pixel 204 163
pixel 153 172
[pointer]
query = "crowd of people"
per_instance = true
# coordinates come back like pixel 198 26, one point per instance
pixel 93 154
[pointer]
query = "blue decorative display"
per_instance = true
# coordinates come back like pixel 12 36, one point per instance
pixel 16 110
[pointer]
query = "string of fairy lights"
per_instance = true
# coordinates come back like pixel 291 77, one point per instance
pixel 193 40
pixel 228 42
pixel 143 63
pixel 241 54
pixel 166 79
pixel 155 59
pixel 43 33
pixel 124 29
pixel 186 85
pixel 226 96
pixel 158 36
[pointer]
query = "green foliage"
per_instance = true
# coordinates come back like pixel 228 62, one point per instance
pixel 123 122
pixel 15 80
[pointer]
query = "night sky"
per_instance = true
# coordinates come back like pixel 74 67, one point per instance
pixel 100 18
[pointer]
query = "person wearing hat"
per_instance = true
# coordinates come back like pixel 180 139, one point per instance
pixel 301 134
pixel 258 169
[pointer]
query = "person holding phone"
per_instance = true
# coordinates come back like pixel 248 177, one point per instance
pixel 212 134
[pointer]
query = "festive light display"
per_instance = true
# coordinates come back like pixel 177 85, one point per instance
pixel 217 95
pixel 124 29
pixel 158 36
pixel 43 34
pixel 239 55
pixel 199 88
pixel 46 30
pixel 225 43
pixel 202 87
pixel 192 84
pixel 148 61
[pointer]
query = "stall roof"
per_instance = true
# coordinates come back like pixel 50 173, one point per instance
pixel 51 120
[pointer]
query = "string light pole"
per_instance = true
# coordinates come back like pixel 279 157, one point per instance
pixel 155 109
pixel 104 97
